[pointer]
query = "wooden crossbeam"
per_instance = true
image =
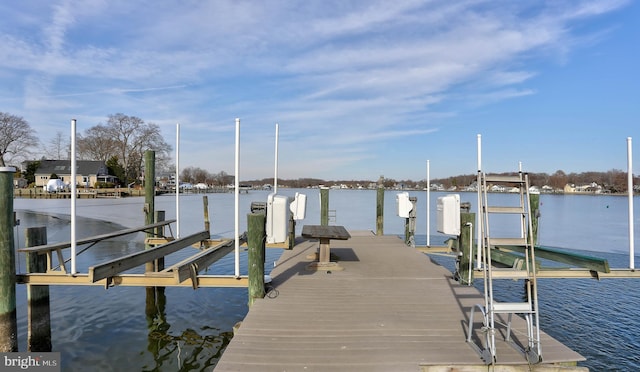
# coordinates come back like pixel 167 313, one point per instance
pixel 113 267
pixel 42 249
pixel 190 266
pixel 577 273
pixel 131 280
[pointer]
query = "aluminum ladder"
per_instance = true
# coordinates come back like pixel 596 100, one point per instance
pixel 525 269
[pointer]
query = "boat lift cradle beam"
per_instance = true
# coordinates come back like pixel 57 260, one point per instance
pixel 174 276
pixel 42 249
pixel 48 249
pixel 116 266
pixel 191 266
pixel 587 262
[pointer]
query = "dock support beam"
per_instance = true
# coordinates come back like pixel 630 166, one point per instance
pixel 410 224
pixel 38 306
pixel 158 264
pixel 8 318
pixel 205 205
pixel 534 207
pixel 256 238
pixel 380 211
pixel 324 207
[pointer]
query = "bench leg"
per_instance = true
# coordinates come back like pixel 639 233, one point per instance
pixel 325 252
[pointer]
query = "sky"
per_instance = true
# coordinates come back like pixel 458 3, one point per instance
pixel 359 89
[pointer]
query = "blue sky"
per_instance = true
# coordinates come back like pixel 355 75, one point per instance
pixel 359 88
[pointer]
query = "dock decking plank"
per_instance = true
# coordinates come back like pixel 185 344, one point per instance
pixel 390 309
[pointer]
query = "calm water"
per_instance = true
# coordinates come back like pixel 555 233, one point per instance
pixel 184 330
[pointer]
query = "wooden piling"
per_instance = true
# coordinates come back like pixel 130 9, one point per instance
pixel 256 238
pixel 534 207
pixel 155 312
pixel 465 246
pixel 205 205
pixel 292 232
pixel 8 318
pixel 380 211
pixel 149 196
pixel 410 223
pixel 324 206
pixel 38 300
pixel 159 217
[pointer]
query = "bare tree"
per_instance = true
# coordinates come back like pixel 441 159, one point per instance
pixel 58 147
pixel 186 175
pixel 132 138
pixel 558 180
pixel 96 144
pixel 17 140
pixel 200 175
pixel 126 138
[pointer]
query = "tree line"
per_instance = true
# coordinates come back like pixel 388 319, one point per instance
pixel 613 181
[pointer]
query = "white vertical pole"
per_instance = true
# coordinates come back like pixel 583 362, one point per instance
pixel 177 180
pixel 428 207
pixel 630 192
pixel 73 197
pixel 479 227
pixel 275 175
pixel 522 227
pixel 237 200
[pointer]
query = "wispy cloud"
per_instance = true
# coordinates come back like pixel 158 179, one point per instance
pixel 372 71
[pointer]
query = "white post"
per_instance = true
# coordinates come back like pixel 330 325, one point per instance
pixel 479 227
pixel 73 197
pixel 522 227
pixel 237 200
pixel 428 207
pixel 177 180
pixel 275 175
pixel 630 192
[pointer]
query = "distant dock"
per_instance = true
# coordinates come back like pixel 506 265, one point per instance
pixel 390 309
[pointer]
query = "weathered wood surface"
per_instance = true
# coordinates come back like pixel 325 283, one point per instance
pixel 118 265
pixel 325 232
pixel 391 309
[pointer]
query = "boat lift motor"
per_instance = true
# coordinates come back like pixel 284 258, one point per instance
pixel 277 218
pixel 448 214
pixel 298 206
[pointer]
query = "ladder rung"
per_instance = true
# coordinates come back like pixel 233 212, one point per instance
pixel 505 210
pixel 504 179
pixel 509 274
pixel 512 307
pixel 507 241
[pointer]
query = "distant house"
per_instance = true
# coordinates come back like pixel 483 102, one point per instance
pixel 589 188
pixel 88 172
pixel 19 183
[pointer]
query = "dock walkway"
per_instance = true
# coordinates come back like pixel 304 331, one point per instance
pixel 390 309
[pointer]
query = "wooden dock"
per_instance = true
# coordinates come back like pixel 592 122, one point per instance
pixel 390 309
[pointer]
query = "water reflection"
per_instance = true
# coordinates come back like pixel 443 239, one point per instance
pixel 188 351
